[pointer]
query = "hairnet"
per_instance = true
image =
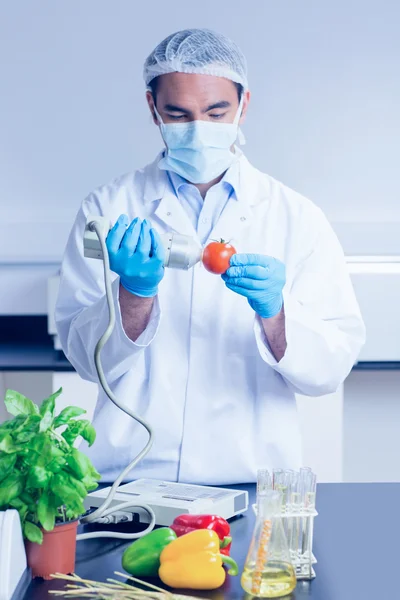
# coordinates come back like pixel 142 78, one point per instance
pixel 197 51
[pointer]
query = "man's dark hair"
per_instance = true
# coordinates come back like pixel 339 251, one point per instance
pixel 153 85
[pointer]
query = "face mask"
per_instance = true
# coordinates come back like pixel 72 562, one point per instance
pixel 199 151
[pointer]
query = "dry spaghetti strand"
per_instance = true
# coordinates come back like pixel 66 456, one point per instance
pixel 262 554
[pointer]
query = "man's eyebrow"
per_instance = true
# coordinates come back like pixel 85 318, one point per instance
pixel 173 108
pixel 216 105
pixel 222 104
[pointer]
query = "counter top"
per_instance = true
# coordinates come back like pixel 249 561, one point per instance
pixel 43 357
pixel 25 345
pixel 355 543
pixel 32 357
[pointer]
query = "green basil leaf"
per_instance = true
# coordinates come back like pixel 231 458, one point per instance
pixel 27 430
pixel 28 499
pixel 47 411
pixel 73 430
pixel 68 413
pixel 46 422
pixel 5 426
pixel 94 473
pixel 89 434
pixel 90 483
pixel 50 453
pixel 6 444
pixel 17 404
pixel 90 480
pixel 46 512
pixel 76 506
pixel 56 502
pixel 33 457
pixel 60 487
pixel 26 423
pixel 12 424
pixel 79 463
pixel 38 477
pixel 55 465
pixel 83 428
pixel 48 405
pixel 37 444
pixel 32 532
pixel 7 462
pixel 74 514
pixel 10 488
pixel 21 507
pixel 78 486
pixel 17 503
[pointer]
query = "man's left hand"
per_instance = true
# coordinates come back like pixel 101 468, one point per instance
pixel 260 279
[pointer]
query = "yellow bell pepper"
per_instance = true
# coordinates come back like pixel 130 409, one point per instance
pixel 193 561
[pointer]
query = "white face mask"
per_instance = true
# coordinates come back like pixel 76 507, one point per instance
pixel 199 151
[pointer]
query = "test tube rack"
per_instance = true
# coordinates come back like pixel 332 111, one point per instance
pixel 299 526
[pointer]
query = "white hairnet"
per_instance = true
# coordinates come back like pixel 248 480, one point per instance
pixel 197 51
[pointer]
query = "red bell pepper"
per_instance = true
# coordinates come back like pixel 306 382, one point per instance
pixel 187 523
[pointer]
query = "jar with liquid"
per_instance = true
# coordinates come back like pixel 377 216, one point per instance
pixel 268 572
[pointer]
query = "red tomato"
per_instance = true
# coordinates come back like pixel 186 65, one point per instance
pixel 217 255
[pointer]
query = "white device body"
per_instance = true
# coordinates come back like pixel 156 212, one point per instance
pixel 181 251
pixel 14 575
pixel 169 500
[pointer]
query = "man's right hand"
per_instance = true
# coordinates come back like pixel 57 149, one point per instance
pixel 137 256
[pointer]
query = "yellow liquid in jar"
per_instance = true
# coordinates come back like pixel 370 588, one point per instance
pixel 277 580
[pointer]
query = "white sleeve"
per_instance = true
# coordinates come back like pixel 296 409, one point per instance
pixel 82 313
pixel 324 328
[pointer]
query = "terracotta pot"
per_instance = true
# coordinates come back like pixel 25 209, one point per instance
pixel 57 552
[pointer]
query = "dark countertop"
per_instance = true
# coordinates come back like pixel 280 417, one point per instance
pixel 25 345
pixel 355 543
pixel 43 357
pixel 32 357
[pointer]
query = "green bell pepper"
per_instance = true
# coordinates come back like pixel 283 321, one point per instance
pixel 142 558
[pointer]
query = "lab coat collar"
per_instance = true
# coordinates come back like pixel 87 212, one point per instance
pixel 236 216
pixel 244 178
pixel 158 187
pixel 230 180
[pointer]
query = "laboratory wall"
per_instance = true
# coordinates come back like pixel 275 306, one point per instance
pixel 324 116
pixel 324 119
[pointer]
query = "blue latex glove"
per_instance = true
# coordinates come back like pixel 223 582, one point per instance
pixel 260 279
pixel 136 255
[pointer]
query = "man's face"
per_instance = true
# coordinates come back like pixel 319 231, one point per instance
pixel 184 97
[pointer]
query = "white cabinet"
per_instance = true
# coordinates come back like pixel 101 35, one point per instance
pixel 38 385
pixel 76 392
pixel 377 286
pixel 321 424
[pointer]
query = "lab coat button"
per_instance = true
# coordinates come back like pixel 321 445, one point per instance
pixel 168 214
pixel 242 218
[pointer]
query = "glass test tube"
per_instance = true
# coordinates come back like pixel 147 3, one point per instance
pixel 293 521
pixel 304 485
pixel 309 507
pixel 264 481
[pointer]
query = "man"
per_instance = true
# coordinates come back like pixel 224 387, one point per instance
pixel 213 364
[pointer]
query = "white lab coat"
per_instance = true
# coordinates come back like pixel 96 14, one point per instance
pixel 202 373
